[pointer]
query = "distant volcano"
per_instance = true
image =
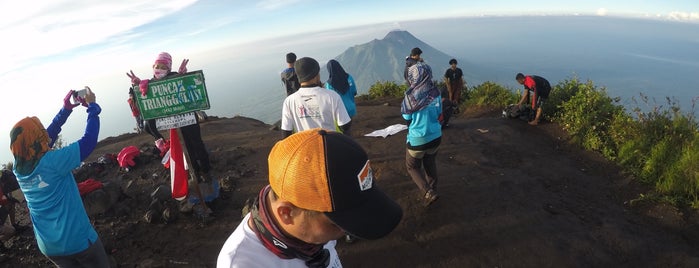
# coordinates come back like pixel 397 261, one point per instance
pixel 384 60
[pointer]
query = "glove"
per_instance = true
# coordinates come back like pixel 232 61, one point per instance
pixel 134 79
pixel 183 66
pixel 67 104
pixel 143 86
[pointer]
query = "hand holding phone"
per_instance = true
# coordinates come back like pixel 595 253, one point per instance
pixel 79 96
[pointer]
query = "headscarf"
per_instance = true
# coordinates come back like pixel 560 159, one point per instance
pixel 338 77
pixel 29 141
pixel 164 58
pixel 422 90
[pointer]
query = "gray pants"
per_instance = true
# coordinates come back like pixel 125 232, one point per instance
pixel 93 256
pixel 425 179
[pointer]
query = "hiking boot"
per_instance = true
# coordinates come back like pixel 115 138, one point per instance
pixel 150 216
pixel 430 197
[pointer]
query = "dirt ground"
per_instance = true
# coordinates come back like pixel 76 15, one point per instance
pixel 512 195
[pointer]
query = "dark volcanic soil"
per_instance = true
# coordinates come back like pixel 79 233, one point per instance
pixel 512 195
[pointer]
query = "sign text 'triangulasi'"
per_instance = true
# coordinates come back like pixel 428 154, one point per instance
pixel 174 96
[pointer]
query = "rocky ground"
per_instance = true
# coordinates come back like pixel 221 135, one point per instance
pixel 512 195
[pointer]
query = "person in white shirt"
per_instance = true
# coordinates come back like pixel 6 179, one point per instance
pixel 321 187
pixel 313 106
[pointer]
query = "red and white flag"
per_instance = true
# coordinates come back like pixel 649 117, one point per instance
pixel 178 174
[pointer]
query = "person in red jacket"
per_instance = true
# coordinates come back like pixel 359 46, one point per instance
pixel 540 89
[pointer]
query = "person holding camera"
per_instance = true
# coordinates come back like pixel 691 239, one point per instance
pixel 62 228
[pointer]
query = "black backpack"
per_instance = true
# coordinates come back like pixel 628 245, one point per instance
pixel 524 112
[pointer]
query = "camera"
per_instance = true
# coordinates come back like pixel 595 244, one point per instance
pixel 80 93
pixel 79 96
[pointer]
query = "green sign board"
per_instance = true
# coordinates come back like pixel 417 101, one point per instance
pixel 173 96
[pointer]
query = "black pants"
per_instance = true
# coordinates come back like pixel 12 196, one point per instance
pixel 198 155
pixel 151 129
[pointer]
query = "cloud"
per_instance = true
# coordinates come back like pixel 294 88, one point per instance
pixel 276 4
pixel 36 29
pixel 601 12
pixel 683 16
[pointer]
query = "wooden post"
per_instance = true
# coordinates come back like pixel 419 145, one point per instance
pixel 192 172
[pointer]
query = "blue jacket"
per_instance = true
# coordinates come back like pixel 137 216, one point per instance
pixel 348 97
pixel 424 124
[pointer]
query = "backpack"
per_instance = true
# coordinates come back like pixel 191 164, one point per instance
pixel 523 112
pixel 291 81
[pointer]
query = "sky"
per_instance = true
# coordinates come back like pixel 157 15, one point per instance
pixel 52 46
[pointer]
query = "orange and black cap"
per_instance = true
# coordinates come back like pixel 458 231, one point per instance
pixel 327 171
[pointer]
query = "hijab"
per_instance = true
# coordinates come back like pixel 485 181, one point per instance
pixel 29 141
pixel 338 77
pixel 422 90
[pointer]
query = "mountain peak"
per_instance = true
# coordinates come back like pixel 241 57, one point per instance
pixel 384 60
pixel 399 35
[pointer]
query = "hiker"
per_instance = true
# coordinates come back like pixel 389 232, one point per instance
pixel 289 78
pixel 313 106
pixel 448 108
pixel 149 126
pixel 8 185
pixel 415 57
pixel 540 89
pixel 454 79
pixel 421 109
pixel 321 186
pixel 191 134
pixel 342 83
pixel 61 226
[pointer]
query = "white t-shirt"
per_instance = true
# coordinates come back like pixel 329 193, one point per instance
pixel 243 249
pixel 313 107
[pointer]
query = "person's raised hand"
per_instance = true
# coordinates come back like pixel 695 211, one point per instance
pixel 67 104
pixel 183 66
pixel 89 97
pixel 134 79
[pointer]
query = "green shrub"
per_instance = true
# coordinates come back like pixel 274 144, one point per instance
pixel 386 89
pixel 588 117
pixel 562 93
pixel 490 94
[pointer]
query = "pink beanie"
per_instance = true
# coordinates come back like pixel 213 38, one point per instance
pixel 164 58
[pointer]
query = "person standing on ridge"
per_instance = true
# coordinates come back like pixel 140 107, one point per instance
pixel 288 75
pixel 191 134
pixel 454 79
pixel 313 106
pixel 164 60
pixel 62 228
pixel 421 108
pixel 540 89
pixel 342 83
pixel 415 57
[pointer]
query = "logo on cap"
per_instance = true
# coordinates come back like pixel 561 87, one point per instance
pixel 366 177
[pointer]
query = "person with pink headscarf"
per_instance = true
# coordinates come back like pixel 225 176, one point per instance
pixel 161 68
pixel 199 156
